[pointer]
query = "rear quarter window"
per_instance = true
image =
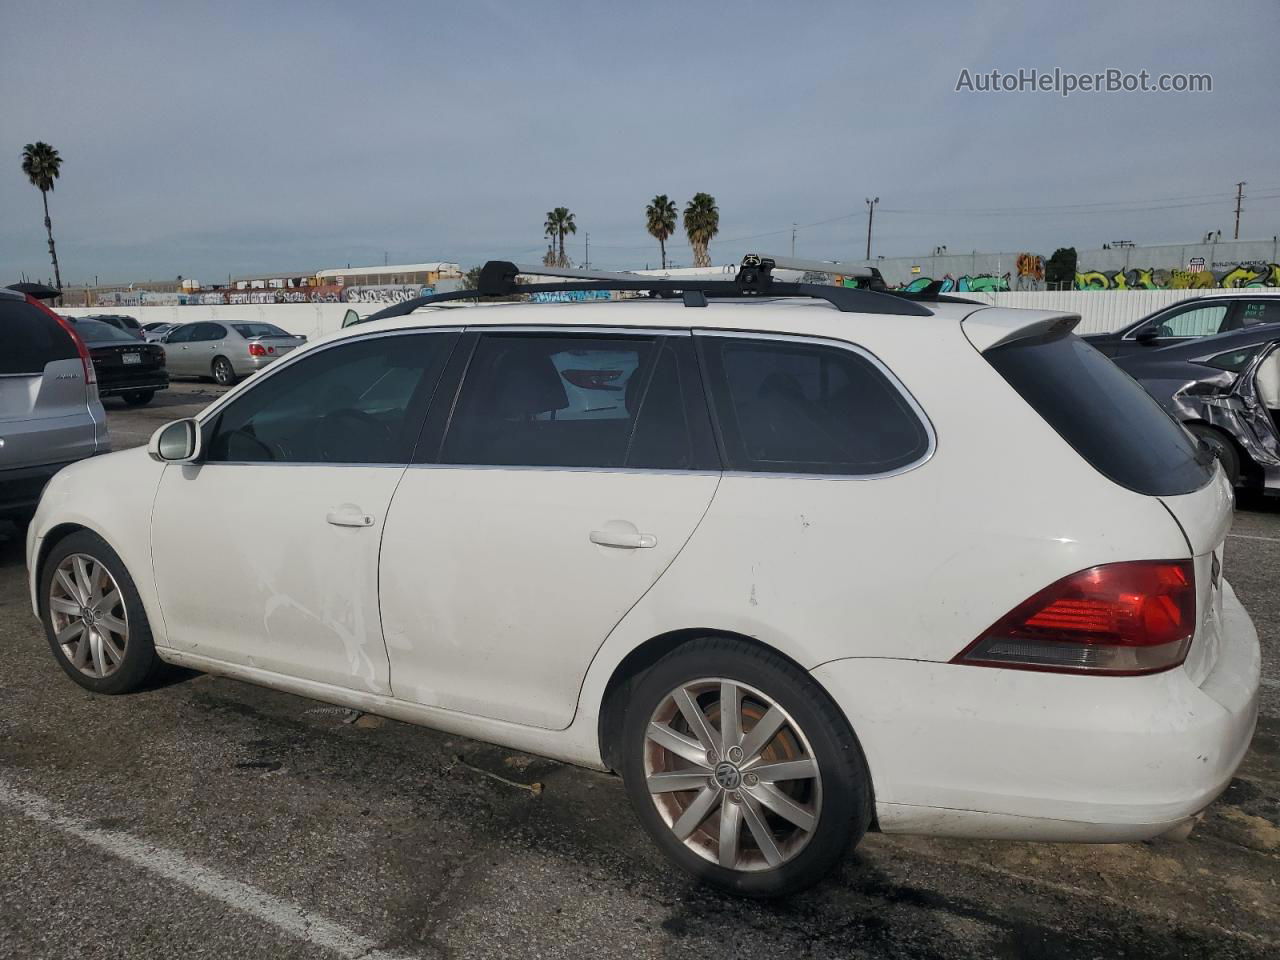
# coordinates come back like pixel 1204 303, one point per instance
pixel 791 406
pixel 30 339
pixel 1104 414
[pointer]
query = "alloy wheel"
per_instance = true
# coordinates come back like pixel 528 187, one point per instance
pixel 732 774
pixel 88 615
pixel 222 372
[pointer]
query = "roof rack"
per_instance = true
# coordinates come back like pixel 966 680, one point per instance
pixel 754 279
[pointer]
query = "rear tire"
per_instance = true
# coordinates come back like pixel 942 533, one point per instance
pixel 734 821
pixel 223 373
pixel 1223 448
pixel 93 616
pixel 138 398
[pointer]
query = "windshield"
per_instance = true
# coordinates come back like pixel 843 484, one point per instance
pixel 95 331
pixel 251 330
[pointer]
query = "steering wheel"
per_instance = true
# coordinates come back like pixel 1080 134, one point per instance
pixel 337 426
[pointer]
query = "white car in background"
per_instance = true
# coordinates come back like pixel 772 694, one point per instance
pixel 941 567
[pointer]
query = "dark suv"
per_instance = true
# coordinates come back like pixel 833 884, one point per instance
pixel 121 322
pixel 50 414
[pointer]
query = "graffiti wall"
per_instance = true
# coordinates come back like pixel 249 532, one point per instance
pixel 570 296
pixel 1195 276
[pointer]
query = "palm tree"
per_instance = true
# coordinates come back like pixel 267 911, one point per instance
pixel 559 223
pixel 701 223
pixel 660 219
pixel 42 165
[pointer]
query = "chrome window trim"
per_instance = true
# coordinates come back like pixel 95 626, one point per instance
pixel 892 378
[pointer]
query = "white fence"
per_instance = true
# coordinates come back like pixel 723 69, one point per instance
pixel 1100 310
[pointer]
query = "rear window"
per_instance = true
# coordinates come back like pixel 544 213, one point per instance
pixel 30 338
pixel 251 330
pixel 1104 414
pixel 96 331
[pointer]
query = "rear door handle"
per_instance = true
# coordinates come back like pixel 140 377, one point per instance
pixel 626 539
pixel 349 515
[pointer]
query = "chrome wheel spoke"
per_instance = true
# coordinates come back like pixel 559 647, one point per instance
pixel 730 716
pixel 110 649
pixel 781 804
pixel 114 624
pixel 95 648
pixel 696 719
pixel 759 736
pixel 84 581
pixel 68 633
pixel 63 605
pixel 679 744
pixel 697 812
pixel 803 769
pixel 677 780
pixel 730 827
pixel 68 585
pixel 110 601
pixel 760 831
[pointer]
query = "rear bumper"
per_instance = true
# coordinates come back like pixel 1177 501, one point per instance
pixel 119 385
pixel 20 488
pixel 970 751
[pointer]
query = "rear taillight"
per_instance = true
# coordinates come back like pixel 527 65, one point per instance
pixel 90 375
pixel 1118 618
pixel 258 350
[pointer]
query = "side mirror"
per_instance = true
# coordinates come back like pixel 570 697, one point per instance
pixel 176 442
pixel 1147 336
pixel 349 318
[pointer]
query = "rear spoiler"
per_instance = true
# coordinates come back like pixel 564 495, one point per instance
pixel 996 326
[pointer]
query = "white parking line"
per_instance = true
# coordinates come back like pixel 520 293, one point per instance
pixel 1246 536
pixel 287 917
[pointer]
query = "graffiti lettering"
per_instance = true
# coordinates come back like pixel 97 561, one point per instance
pixel 388 293
pixel 1143 278
pixel 570 296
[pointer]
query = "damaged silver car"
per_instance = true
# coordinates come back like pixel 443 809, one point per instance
pixel 1226 390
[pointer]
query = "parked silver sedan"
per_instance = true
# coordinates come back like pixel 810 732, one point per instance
pixel 226 350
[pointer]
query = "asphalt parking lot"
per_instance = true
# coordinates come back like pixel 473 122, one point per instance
pixel 208 818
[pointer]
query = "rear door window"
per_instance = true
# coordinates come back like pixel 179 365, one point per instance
pixel 790 406
pixel 1254 312
pixel 590 401
pixel 30 339
pixel 1104 414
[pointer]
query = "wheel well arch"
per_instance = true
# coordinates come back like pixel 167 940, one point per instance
pixel 54 536
pixel 1247 465
pixel 634 665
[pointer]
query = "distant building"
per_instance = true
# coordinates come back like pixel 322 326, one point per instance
pixel 402 274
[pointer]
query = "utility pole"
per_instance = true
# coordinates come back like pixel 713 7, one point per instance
pixel 587 264
pixel 1239 197
pixel 793 241
pixel 871 212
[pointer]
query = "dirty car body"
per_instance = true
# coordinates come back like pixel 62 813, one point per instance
pixel 1215 382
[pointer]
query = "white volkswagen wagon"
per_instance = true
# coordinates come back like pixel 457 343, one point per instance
pixel 792 571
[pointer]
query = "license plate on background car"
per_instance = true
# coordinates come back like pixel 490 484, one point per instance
pixel 133 358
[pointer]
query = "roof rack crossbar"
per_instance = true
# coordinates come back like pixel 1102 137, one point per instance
pixel 498 278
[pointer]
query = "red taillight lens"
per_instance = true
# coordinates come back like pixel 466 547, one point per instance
pixel 1118 618
pixel 257 350
pixel 90 375
pixel 593 379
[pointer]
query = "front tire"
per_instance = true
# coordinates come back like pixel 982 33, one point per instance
pixel 742 769
pixel 223 373
pixel 93 616
pixel 138 398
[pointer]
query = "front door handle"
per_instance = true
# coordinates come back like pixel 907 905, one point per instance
pixel 349 515
pixel 626 539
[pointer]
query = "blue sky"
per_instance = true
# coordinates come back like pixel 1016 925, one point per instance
pixel 208 139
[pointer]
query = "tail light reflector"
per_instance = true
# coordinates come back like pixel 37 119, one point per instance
pixel 1118 618
pixel 257 350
